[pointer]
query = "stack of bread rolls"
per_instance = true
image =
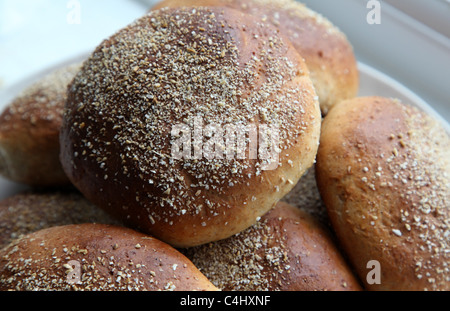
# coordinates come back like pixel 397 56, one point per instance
pixel 162 185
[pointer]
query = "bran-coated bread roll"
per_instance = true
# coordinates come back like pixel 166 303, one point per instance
pixel 327 51
pixel 29 131
pixel 96 257
pixel 383 170
pixel 201 70
pixel 287 250
pixel 31 211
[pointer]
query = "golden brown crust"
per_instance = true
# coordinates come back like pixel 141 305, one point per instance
pixel 287 250
pixel 326 50
pixel 28 212
pixel 29 131
pixel 110 258
pixel 169 68
pixel 383 171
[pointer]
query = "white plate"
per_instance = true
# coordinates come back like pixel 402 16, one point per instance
pixel 372 83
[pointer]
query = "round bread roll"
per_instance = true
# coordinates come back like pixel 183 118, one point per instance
pixel 29 131
pixel 198 76
pixel 326 50
pixel 287 250
pixel 96 257
pixel 383 170
pixel 28 212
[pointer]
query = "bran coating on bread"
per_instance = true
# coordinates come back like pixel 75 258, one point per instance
pixel 96 257
pixel 383 170
pixel 287 250
pixel 31 211
pixel 167 68
pixel 29 131
pixel 326 49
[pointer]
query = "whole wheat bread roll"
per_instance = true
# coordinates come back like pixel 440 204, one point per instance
pixel 194 69
pixel 383 170
pixel 29 131
pixel 287 250
pixel 96 257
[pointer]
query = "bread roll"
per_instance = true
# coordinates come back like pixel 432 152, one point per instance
pixel 31 211
pixel 326 50
pixel 287 250
pixel 29 131
pixel 384 173
pixel 197 69
pixel 96 257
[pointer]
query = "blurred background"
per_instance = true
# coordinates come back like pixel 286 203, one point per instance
pixel 410 42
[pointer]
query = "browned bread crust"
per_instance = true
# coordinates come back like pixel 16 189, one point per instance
pixel 383 169
pixel 29 131
pixel 110 258
pixel 167 68
pixel 326 50
pixel 287 250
